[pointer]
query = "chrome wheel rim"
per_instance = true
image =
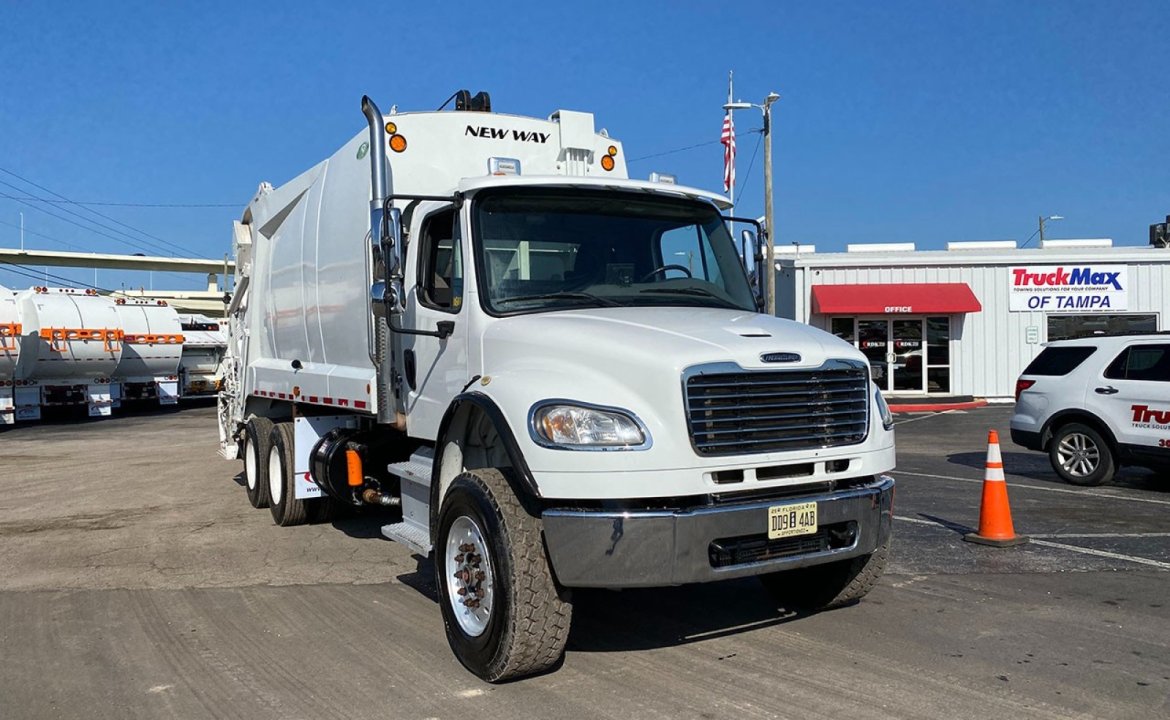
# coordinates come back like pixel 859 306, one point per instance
pixel 275 475
pixel 468 571
pixel 250 463
pixel 1078 455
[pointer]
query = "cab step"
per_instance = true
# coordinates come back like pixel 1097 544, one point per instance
pixel 412 536
pixel 415 474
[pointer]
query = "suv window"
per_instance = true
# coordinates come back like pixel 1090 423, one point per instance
pixel 1141 362
pixel 1055 361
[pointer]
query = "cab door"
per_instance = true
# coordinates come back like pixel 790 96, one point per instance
pixel 435 369
pixel 1133 393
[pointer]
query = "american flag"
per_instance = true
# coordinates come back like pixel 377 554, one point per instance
pixel 728 141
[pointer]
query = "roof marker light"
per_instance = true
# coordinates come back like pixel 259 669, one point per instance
pixel 503 166
pixel 397 143
pixel 607 162
pixel 663 178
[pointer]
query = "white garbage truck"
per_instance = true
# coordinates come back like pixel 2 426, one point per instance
pixel 559 376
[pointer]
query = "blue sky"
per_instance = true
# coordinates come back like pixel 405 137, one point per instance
pixel 899 121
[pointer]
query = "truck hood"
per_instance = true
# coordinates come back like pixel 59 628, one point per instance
pixel 666 338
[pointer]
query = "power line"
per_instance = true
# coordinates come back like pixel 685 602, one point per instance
pixel 12 267
pixel 129 241
pixel 671 152
pixel 34 232
pixel 748 174
pixel 95 212
pixel 126 204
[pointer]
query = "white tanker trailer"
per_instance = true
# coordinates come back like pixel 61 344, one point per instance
pixel 10 328
pixel 71 344
pixel 152 345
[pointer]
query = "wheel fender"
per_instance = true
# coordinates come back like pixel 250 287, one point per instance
pixel 467 413
pixel 1062 418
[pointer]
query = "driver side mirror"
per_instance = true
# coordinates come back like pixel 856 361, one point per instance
pixel 750 239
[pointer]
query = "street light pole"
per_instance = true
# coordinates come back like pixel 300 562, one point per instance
pixel 1040 230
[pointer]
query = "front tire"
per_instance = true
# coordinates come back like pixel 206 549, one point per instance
pixel 828 586
pixel 502 611
pixel 256 448
pixel 286 508
pixel 1081 456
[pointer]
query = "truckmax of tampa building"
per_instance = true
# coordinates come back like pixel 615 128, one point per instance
pixel 559 375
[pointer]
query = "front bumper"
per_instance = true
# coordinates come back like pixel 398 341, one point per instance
pixel 652 548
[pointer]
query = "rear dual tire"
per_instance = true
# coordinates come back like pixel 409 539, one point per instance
pixel 257 444
pixel 286 508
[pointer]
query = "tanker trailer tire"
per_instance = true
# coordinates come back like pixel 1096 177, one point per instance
pixel 286 508
pixel 828 586
pixel 256 447
pixel 501 607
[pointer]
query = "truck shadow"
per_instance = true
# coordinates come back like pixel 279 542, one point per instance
pixel 1035 466
pixel 644 619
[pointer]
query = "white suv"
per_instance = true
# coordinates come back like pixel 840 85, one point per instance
pixel 1095 403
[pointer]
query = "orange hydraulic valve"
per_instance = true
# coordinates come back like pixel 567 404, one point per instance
pixel 353 468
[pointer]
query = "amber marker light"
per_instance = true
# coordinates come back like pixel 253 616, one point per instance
pixel 391 128
pixel 612 150
pixel 607 162
pixel 397 143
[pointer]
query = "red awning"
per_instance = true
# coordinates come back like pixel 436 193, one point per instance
pixel 894 299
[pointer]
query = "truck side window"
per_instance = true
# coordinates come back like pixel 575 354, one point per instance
pixel 440 280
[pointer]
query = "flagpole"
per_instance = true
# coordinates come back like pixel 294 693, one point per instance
pixel 731 189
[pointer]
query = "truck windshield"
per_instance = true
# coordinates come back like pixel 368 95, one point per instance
pixel 540 249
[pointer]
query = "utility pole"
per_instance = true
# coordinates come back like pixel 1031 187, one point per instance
pixel 769 282
pixel 769 216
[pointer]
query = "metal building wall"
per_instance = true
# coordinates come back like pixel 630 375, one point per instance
pixel 989 349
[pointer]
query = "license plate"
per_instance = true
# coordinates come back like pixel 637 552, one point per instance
pixel 789 520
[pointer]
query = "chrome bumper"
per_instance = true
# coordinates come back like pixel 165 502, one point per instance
pixel 651 548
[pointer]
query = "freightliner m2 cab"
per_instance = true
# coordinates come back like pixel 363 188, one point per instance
pixel 557 375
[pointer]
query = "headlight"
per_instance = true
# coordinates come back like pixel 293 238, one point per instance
pixel 883 409
pixel 585 427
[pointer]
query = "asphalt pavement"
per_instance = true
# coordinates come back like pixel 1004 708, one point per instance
pixel 137 582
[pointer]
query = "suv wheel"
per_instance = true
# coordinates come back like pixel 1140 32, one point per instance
pixel 1081 456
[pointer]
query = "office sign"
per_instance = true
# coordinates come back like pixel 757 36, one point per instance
pixel 1071 288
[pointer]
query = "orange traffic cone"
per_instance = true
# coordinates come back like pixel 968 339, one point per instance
pixel 995 517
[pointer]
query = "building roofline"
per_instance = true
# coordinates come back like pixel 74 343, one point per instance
pixel 1126 254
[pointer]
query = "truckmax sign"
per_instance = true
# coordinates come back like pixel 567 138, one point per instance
pixel 1068 288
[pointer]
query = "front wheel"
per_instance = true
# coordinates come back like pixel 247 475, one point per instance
pixel 828 586
pixel 1081 456
pixel 502 610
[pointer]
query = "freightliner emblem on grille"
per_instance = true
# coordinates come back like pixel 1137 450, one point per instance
pixel 780 357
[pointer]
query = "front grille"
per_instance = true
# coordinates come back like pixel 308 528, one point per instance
pixel 735 413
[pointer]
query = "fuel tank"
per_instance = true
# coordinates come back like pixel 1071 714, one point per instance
pixel 10 334
pixel 152 341
pixel 67 335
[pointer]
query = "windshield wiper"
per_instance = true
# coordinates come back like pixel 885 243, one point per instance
pixel 699 292
pixel 562 296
